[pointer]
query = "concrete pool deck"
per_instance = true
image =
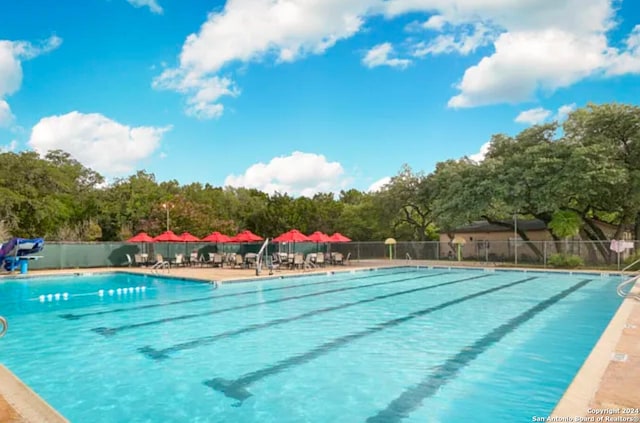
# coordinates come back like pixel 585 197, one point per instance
pixel 606 383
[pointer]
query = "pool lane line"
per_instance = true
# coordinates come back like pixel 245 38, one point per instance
pixel 235 294
pixel 161 354
pixel 112 331
pixel 412 397
pixel 237 388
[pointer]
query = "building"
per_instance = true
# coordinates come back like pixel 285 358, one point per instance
pixel 492 242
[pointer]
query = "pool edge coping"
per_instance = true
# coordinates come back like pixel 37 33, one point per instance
pixel 577 398
pixel 25 402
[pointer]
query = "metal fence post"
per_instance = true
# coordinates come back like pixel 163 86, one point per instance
pixel 358 251
pixel 544 249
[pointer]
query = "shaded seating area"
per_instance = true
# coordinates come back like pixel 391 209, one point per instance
pixel 291 250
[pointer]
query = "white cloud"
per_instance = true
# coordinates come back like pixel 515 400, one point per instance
pixel 298 174
pixel 151 4
pixel 379 56
pixel 9 147
pixel 480 155
pixel 540 114
pixel 627 61
pixel 12 54
pixel 564 110
pixel 377 185
pixel 536 45
pixel 203 93
pixel 248 31
pixel 467 41
pixel 533 116
pixel 96 141
pixel 435 22
pixel 522 64
pixel 6 117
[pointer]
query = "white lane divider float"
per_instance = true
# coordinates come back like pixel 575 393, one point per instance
pixel 121 291
pixel 101 293
pixel 56 296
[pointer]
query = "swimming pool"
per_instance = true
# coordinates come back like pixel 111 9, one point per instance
pixel 390 345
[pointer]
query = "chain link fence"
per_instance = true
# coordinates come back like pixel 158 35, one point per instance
pixel 59 255
pixel 539 253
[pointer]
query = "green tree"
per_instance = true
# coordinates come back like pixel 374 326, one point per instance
pixel 410 196
pixel 565 224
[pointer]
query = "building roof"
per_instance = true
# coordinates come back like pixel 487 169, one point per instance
pixel 484 226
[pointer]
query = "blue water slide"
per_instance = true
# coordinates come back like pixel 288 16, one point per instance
pixel 16 248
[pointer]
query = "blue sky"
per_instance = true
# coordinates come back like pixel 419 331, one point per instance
pixel 300 95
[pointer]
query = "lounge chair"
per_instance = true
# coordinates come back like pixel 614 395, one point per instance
pixel 137 259
pixel 238 260
pixel 298 260
pixel 320 259
pixel 308 264
pixel 218 260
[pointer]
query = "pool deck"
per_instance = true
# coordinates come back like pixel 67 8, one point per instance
pixel 606 384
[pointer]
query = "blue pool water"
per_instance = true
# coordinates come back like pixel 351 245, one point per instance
pixel 392 345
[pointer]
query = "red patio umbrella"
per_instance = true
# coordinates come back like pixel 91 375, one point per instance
pixel 318 236
pixel 246 236
pixel 293 235
pixel 216 237
pixel 141 237
pixel 338 237
pixel 167 236
pixel 187 237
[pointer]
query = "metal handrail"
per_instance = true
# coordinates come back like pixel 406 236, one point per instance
pixel 630 266
pixel 4 326
pixel 160 265
pixel 408 257
pixel 259 257
pixel 628 294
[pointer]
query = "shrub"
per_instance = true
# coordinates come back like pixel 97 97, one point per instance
pixel 566 260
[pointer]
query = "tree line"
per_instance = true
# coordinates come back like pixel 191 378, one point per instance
pixel 570 175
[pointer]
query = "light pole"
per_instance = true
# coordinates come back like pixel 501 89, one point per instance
pixel 167 206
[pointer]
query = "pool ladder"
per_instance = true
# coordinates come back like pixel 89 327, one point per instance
pixel 624 284
pixel 3 326
pixel 629 282
pixel 160 265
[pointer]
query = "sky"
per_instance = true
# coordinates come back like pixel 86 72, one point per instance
pixel 301 96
